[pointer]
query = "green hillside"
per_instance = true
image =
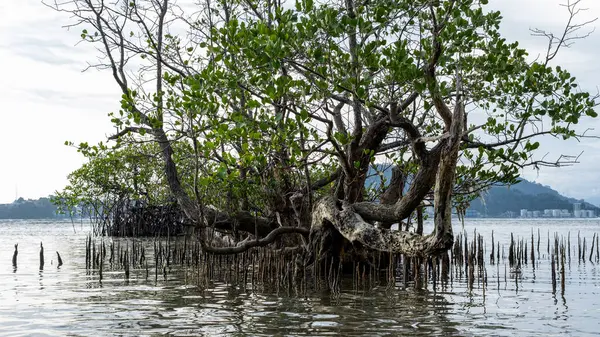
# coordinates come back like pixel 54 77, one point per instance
pixel 499 200
pixel 28 209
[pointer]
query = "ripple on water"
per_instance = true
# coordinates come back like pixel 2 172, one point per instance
pixel 71 300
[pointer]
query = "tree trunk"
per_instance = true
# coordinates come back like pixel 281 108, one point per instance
pixel 442 198
pixel 341 215
pixel 208 216
pixel 395 187
pixel 420 186
pixel 347 219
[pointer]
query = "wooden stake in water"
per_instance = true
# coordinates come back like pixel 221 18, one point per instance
pixel 498 252
pixel 579 246
pixel 583 251
pixel 532 257
pixel 126 262
pixel 94 254
pixel 592 249
pixel 87 253
pixel 41 256
pixel 60 261
pixel 14 259
pixel 539 238
pixel 569 247
pixel 553 275
pixel 597 250
pixel 511 248
pixel 562 270
pixel 492 254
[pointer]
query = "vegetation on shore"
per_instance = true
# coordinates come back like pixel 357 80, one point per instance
pixel 42 208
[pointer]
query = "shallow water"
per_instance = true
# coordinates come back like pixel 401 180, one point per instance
pixel 71 301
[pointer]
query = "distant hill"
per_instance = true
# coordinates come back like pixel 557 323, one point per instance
pixel 495 202
pixel 525 195
pixel 28 209
pixel 532 188
pixel 499 200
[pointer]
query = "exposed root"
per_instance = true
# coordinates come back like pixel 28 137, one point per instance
pixel 353 228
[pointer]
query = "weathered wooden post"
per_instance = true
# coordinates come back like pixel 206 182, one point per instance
pixel 60 261
pixel 553 270
pixel 14 259
pixel 41 256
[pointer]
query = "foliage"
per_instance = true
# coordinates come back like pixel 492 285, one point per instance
pixel 110 176
pixel 255 102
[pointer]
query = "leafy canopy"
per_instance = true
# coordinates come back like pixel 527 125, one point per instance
pixel 259 100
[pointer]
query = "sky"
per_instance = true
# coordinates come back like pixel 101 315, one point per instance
pixel 47 99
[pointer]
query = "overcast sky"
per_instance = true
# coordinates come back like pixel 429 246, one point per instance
pixel 46 98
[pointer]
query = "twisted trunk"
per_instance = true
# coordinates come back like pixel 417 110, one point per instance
pixel 438 165
pixel 341 215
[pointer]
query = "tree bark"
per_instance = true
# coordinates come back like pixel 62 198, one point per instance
pixel 438 165
pixel 444 185
pixel 395 188
pixel 421 185
pixel 341 215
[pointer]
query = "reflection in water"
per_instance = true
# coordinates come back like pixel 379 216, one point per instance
pixel 14 258
pixel 41 273
pixel 71 300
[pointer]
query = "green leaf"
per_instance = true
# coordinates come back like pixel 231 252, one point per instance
pixel 308 5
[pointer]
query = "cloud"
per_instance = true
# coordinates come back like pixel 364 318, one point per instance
pixel 51 52
pixel 46 99
pixel 580 59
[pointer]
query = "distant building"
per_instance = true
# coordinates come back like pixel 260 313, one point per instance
pixel 577 210
pixel 537 214
pixel 470 213
pixel 556 213
pixel 548 213
pixel 523 213
pixel 590 213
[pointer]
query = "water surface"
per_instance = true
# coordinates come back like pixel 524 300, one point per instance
pixel 70 300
